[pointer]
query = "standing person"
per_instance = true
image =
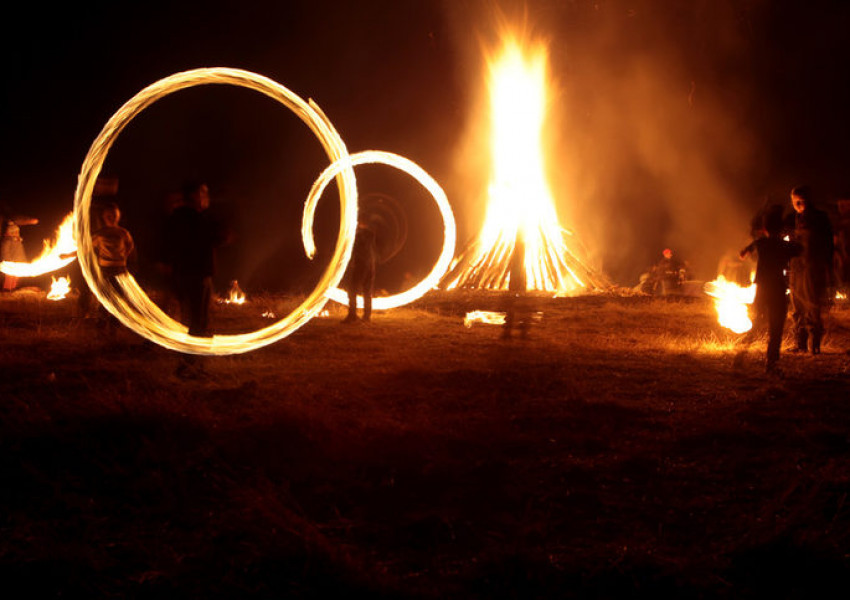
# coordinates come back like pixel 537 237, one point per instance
pixel 771 303
pixel 810 272
pixel 516 313
pixel 361 276
pixel 113 245
pixel 11 243
pixel 193 237
pixel 842 246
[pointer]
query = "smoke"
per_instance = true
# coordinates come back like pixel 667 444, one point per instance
pixel 651 142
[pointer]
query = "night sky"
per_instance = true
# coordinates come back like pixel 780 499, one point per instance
pixel 672 122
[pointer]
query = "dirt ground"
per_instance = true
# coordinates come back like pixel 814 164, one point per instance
pixel 617 451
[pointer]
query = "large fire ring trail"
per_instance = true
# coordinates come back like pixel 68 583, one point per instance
pixel 428 182
pixel 135 309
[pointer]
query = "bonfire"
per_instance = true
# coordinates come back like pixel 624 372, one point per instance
pixel 519 201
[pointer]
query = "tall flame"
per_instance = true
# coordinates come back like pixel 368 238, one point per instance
pixel 519 198
pixel 51 255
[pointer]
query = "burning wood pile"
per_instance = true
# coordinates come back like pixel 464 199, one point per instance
pixel 519 202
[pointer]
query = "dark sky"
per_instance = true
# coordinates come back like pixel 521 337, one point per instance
pixel 672 121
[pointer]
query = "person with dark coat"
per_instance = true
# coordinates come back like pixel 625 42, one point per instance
pixel 810 273
pixel 771 301
pixel 361 274
pixel 193 237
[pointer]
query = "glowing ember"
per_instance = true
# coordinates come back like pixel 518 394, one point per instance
pixel 59 288
pixel 840 296
pixel 50 258
pixel 519 199
pixel 483 316
pixel 730 301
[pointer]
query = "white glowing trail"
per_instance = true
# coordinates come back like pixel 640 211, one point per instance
pixel 411 168
pixel 135 309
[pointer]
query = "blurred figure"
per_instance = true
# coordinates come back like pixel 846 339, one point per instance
pixel 105 190
pixel 516 312
pixel 666 277
pixel 193 238
pixel 361 271
pixel 842 247
pixel 771 301
pixel 164 283
pixel 113 245
pixel 11 243
pixel 810 272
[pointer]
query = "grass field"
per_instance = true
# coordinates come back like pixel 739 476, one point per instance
pixel 617 451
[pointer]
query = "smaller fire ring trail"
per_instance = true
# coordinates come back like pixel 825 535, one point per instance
pixel 429 183
pixel 128 302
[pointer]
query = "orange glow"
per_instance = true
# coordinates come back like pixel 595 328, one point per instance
pixel 519 199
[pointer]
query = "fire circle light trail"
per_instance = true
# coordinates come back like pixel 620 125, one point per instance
pixel 428 182
pixel 131 305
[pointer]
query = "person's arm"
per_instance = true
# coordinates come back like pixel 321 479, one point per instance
pixel 21 220
pixel 748 250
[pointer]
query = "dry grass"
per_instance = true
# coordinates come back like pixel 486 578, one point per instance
pixel 614 452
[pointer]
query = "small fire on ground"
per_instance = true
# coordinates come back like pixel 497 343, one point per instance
pixel 731 301
pixel 483 316
pixel 59 288
pixel 235 296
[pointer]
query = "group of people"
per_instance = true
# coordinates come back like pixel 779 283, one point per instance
pixel 190 240
pixel 794 253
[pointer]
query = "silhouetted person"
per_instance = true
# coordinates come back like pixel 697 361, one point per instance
pixel 771 301
pixel 842 246
pixel 361 274
pixel 810 272
pixel 193 237
pixel 516 314
pixel 11 243
pixel 668 274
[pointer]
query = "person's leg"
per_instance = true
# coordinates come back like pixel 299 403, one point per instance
pixel 798 319
pixel 776 313
pixel 368 291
